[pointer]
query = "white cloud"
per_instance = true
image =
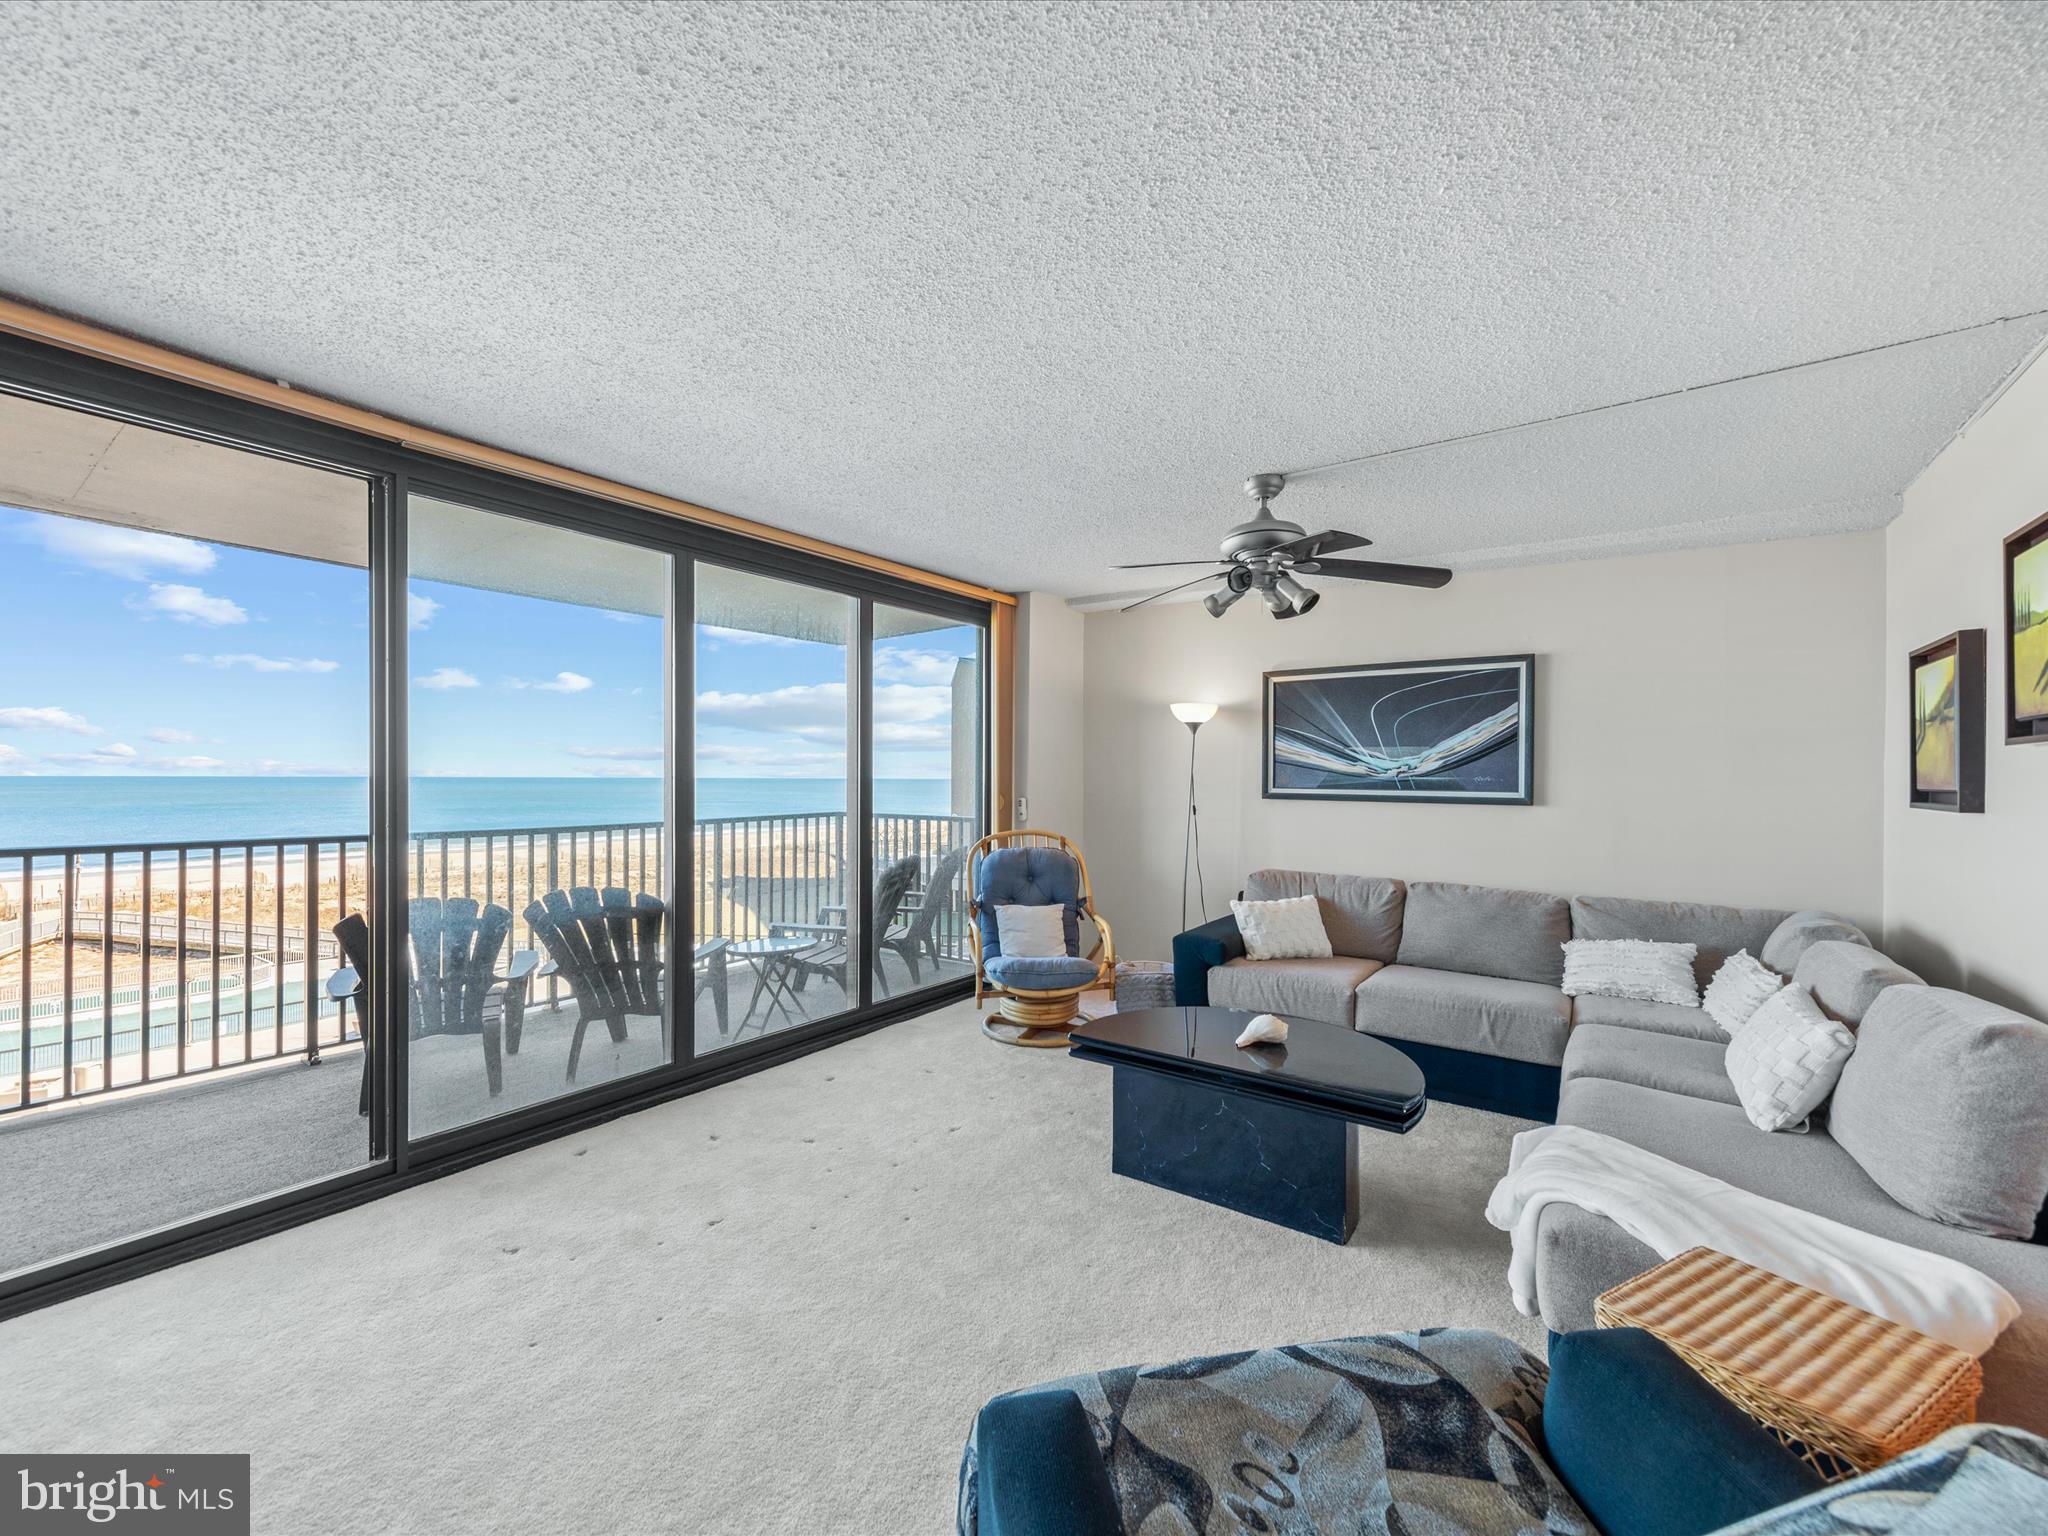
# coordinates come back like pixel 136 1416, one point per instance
pixel 11 754
pixel 565 682
pixel 620 771
pixel 47 719
pixel 446 677
pixel 169 737
pixel 773 762
pixel 189 605
pixel 257 663
pixel 120 755
pixel 817 711
pixel 135 553
pixel 419 610
pixel 621 754
pixel 913 666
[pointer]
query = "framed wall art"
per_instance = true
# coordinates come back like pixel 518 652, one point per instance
pixel 1453 732
pixel 1945 683
pixel 2026 633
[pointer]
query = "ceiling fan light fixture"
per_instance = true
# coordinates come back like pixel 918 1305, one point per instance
pixel 1219 601
pixel 1299 599
pixel 1276 599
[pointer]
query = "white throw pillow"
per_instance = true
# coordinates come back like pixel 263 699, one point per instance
pixel 1289 929
pixel 1026 931
pixel 1742 985
pixel 1786 1059
pixel 1640 969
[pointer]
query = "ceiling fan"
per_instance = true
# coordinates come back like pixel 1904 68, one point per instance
pixel 1268 555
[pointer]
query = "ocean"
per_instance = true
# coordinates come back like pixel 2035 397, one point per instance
pixel 57 812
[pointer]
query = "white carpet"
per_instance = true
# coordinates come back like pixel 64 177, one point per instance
pixel 772 1306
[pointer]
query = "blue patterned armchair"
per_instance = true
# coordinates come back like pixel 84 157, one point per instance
pixel 1039 995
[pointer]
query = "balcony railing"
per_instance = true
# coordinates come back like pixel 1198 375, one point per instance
pixel 136 964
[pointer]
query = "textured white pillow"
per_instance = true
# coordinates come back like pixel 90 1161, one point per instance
pixel 1786 1059
pixel 1742 985
pixel 1289 929
pixel 1641 969
pixel 1026 931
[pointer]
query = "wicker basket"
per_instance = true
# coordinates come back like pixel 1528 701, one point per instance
pixel 1143 984
pixel 1846 1389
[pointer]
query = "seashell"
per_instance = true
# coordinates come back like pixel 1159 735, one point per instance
pixel 1266 1029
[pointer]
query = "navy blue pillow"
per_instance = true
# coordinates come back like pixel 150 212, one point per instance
pixel 1648 1448
pixel 1038 1471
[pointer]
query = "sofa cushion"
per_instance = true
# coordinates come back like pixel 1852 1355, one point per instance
pixel 1485 931
pixel 1845 978
pixel 1361 913
pixel 1717 932
pixel 1656 1018
pixel 1620 1401
pixel 1424 1432
pixel 1521 1020
pixel 1650 1060
pixel 1585 1254
pixel 1945 1106
pixel 1301 989
pixel 1799 932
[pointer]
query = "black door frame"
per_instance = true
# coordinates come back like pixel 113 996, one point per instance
pixel 51 374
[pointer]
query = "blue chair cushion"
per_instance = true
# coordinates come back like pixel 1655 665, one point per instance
pixel 1648 1448
pixel 1027 877
pixel 1039 973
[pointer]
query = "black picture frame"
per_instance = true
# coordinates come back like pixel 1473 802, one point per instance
pixel 1283 726
pixel 1961 706
pixel 2026 635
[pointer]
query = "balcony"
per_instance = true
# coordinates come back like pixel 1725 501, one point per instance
pixel 180 1050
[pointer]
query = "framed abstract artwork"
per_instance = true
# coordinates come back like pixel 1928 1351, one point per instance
pixel 1454 732
pixel 1945 686
pixel 2026 633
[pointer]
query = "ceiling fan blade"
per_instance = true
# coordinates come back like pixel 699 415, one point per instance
pixel 1310 546
pixel 1385 570
pixel 1149 565
pixel 1168 592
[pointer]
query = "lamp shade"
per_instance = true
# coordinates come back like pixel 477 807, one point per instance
pixel 1193 714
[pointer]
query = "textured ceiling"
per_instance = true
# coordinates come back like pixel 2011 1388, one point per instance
pixel 1018 292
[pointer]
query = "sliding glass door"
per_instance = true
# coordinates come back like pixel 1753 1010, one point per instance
pixel 925 693
pixel 371 810
pixel 775 862
pixel 538 735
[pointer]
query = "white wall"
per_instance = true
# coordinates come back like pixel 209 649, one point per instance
pixel 1708 728
pixel 1050 678
pixel 1964 902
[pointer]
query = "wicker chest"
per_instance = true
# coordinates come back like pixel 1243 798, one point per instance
pixel 1144 984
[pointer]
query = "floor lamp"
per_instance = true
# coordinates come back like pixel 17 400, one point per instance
pixel 1194 717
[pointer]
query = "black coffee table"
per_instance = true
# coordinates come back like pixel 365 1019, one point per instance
pixel 1268 1130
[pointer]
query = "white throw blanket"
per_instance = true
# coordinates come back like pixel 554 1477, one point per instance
pixel 1671 1208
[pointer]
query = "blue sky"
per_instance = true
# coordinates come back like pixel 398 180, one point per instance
pixel 141 652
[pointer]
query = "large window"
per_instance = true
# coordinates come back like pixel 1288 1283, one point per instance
pixel 925 690
pixel 538 745
pixel 361 810
pixel 183 823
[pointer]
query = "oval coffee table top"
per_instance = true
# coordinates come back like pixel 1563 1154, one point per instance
pixel 1322 1066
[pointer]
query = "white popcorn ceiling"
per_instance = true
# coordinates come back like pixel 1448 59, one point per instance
pixel 1019 292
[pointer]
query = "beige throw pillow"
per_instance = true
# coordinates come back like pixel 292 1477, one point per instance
pixel 1288 929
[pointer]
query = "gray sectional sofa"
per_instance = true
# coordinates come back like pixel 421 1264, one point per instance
pixel 1937 1134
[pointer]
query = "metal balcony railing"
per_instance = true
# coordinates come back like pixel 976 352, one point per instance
pixel 122 965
